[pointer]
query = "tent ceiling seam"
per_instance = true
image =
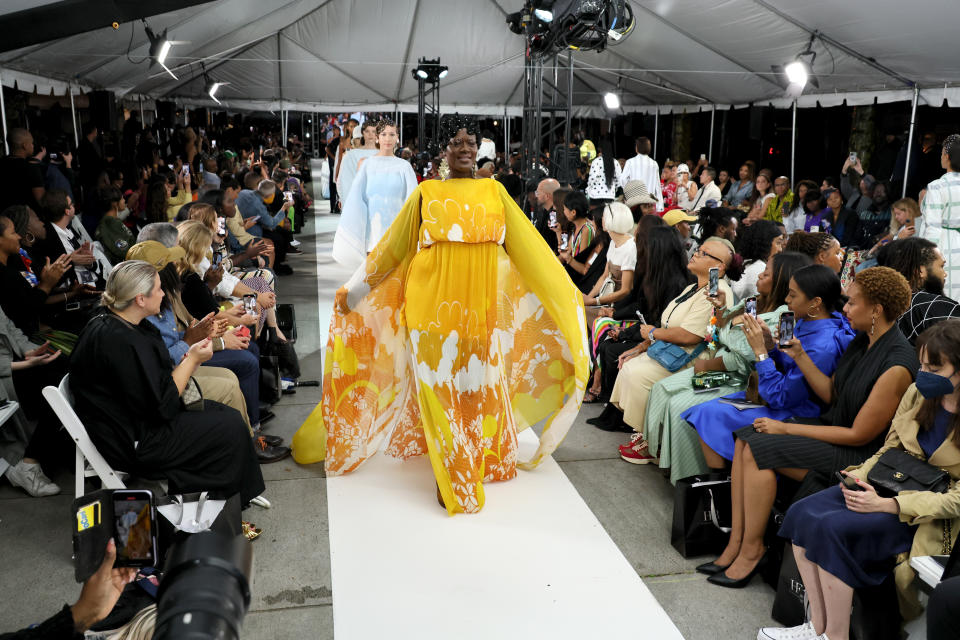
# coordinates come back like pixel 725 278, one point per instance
pixel 683 91
pixel 242 50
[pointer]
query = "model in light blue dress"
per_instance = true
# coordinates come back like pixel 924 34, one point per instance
pixel 379 191
pixel 781 385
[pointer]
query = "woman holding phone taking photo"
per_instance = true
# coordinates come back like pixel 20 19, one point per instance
pixel 861 398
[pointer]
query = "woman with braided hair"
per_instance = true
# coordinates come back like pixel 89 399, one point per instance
pixel 382 184
pixel 459 330
pixel 822 247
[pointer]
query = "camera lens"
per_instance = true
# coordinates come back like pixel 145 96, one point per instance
pixel 205 591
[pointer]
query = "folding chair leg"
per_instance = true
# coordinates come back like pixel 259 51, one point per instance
pixel 81 466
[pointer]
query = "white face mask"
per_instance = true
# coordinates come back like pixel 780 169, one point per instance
pixel 123 213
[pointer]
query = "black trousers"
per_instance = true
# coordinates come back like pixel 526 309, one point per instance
pixel 608 353
pixel 943 612
pixel 49 444
pixel 334 201
pixel 281 240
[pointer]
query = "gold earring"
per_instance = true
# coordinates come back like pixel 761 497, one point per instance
pixel 873 325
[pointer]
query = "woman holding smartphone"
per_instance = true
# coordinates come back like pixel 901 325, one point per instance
pixel 846 538
pixel 813 298
pixel 861 398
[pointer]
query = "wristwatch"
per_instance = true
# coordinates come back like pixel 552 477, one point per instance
pixel 650 335
pixel 762 357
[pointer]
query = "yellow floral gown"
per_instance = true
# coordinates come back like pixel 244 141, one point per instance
pixel 460 330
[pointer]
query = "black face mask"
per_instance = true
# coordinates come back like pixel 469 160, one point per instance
pixel 932 284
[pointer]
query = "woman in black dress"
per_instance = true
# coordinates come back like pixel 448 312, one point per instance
pixel 862 397
pixel 127 393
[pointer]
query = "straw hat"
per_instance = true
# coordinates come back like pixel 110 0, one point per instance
pixel 635 193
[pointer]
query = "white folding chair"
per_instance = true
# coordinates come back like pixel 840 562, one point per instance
pixel 61 401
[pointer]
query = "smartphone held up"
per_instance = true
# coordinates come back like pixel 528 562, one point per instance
pixel 785 328
pixel 713 288
pixel 750 306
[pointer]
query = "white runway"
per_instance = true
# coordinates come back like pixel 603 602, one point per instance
pixel 535 563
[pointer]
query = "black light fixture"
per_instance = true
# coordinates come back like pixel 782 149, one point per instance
pixel 159 48
pixel 430 71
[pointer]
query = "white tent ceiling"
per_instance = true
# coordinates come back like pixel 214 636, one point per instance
pixel 340 55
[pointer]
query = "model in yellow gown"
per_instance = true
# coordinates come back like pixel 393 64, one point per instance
pixel 460 330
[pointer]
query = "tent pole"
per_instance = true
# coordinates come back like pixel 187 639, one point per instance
pixel 793 143
pixel 913 123
pixel 506 135
pixel 713 112
pixel 73 120
pixel 401 128
pixel 3 116
pixel 143 121
pixel 656 132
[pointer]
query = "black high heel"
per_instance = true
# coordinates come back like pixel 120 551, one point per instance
pixel 721 579
pixel 711 568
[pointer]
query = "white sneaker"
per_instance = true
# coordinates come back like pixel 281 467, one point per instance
pixel 30 478
pixel 804 631
pixel 294 243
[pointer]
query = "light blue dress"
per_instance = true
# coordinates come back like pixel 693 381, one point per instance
pixel 379 191
pixel 780 383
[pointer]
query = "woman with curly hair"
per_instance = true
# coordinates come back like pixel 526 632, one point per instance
pixel 861 398
pixel 382 184
pixel 756 244
pixel 458 331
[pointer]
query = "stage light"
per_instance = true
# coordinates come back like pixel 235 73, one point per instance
pixel 797 73
pixel 544 15
pixel 612 100
pixel 443 73
pixel 421 73
pixel 159 48
pixel 430 71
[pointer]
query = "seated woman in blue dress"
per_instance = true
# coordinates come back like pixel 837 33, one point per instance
pixel 847 539
pixel 814 297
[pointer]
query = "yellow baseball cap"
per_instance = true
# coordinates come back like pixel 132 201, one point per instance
pixel 155 253
pixel 671 217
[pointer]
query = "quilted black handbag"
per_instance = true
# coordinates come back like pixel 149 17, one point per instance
pixel 897 471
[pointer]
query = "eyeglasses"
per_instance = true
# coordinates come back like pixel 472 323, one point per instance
pixel 701 252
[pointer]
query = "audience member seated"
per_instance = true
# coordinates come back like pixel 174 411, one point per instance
pixel 814 298
pixel 846 221
pixel 112 234
pixel 576 210
pixel 62 238
pixel 680 220
pixel 821 246
pixel 817 214
pixel 856 185
pixel 845 539
pixel 128 395
pixel 628 311
pixel 668 184
pixel 725 372
pixel 686 189
pixel 780 206
pixel 798 216
pixel 741 189
pixel 906 217
pixel 756 204
pixel 717 222
pixel 943 614
pixel 861 396
pixel 20 182
pixel 638 198
pixel 921 263
pixel 616 281
pixel 683 324
pixel 708 192
pixel 874 219
pixel 24 442
pixel 756 244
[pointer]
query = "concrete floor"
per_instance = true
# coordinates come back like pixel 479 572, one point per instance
pixel 292 589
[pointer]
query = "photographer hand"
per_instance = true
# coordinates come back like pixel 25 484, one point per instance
pixel 101 591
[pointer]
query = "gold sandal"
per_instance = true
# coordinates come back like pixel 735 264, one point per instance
pixel 250 530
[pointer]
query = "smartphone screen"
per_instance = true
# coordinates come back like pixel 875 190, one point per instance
pixel 217 259
pixel 750 306
pixel 563 241
pixel 853 156
pixel 221 225
pixel 714 286
pixel 288 195
pixel 786 328
pixel 814 228
pixel 134 531
pixel 553 220
pixel 250 304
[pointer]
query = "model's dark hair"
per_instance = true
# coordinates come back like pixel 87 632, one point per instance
pixel 941 342
pixel 666 273
pixel 820 281
pixel 753 242
pixel 453 122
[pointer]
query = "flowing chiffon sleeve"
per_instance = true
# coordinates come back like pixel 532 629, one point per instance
pixel 367 377
pixel 350 240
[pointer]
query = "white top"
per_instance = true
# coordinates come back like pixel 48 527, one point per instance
pixel 746 286
pixel 710 192
pixel 796 220
pixel 488 149
pixel 624 256
pixel 683 196
pixel 641 167
pixel 597 187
